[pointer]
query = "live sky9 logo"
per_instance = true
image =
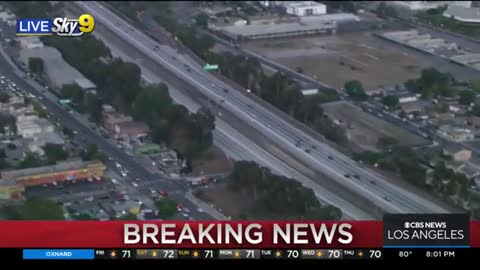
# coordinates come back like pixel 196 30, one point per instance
pixel 68 27
pixel 63 27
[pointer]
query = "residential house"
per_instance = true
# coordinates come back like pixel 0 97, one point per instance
pixel 131 130
pixel 29 127
pixel 110 119
pixel 456 133
pixel 457 153
pixel 407 97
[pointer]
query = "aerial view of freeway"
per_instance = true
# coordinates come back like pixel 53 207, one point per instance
pixel 182 110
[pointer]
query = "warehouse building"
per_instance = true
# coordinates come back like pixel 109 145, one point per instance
pixel 30 42
pixel 463 14
pixel 57 70
pixel 305 8
pixel 86 85
pixel 277 30
pixel 425 5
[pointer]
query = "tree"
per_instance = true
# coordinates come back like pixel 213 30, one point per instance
pixel 475 85
pixel 40 110
pixel 41 209
pixel 90 153
pixel 355 89
pixel 35 65
pixel 380 9
pixel 432 83
pixel 166 208
pixel 6 121
pixel 4 97
pixel 128 216
pixel 274 196
pixel 384 10
pixel 390 101
pixel 68 132
pixel 31 9
pixel 94 107
pixel 12 212
pixel 31 160
pixel 123 80
pixel 476 109
pixel 83 216
pixel 466 97
pixel 151 103
pixel 201 20
pixel 54 153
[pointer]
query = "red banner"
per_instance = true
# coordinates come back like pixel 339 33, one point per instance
pixel 197 234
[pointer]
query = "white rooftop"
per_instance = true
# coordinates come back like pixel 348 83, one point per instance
pixel 58 71
pixel 304 4
pixel 464 14
pixel 85 83
pixel 276 28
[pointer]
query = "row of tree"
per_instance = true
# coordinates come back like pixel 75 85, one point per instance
pixel 119 83
pixel 52 154
pixel 276 197
pixel 399 159
pixel 432 83
pixel 281 91
pixel 444 181
pixel 34 209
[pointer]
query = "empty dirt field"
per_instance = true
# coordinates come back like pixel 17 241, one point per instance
pixel 364 130
pixel 334 59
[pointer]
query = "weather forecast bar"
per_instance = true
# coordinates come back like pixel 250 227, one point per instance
pixel 58 254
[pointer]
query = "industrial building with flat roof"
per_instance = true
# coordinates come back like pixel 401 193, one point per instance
pixel 425 5
pixel 463 14
pixel 85 84
pixel 277 29
pixel 58 71
pixel 305 8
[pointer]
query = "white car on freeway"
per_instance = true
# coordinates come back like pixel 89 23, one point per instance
pixel 134 184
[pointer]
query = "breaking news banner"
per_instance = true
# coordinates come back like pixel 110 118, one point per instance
pixel 398 237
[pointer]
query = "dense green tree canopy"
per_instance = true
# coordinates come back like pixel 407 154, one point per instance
pixel 355 89
pixel 35 65
pixel 166 208
pixel 276 196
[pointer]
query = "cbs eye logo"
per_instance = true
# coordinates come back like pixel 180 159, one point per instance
pixel 73 27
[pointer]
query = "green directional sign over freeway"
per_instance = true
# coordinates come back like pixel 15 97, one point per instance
pixel 210 67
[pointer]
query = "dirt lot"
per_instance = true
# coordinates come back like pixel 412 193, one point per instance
pixel 339 58
pixel 230 203
pixel 364 130
pixel 212 162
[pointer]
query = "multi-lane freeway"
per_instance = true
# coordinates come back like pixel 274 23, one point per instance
pixel 232 142
pixel 299 145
